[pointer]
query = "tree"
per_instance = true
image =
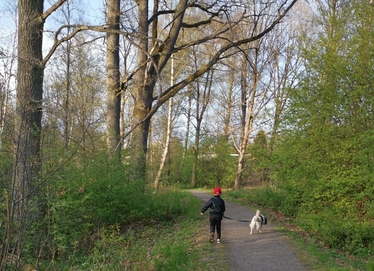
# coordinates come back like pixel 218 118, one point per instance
pixel 168 133
pixel 330 114
pixel 255 95
pixel 28 122
pixel 25 189
pixel 151 61
pixel 202 96
pixel 113 78
pixel 75 107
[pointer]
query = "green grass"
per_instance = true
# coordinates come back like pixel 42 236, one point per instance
pixel 178 240
pixel 180 243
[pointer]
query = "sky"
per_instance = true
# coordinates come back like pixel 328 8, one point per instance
pixel 92 14
pixel 93 11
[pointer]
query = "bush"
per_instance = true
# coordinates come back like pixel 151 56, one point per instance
pixel 335 226
pixel 82 204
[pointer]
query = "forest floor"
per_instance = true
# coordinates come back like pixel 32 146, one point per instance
pixel 269 250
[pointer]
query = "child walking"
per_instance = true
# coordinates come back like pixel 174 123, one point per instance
pixel 217 209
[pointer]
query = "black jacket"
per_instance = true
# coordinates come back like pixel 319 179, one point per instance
pixel 216 205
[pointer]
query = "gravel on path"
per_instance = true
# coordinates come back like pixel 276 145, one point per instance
pixel 266 251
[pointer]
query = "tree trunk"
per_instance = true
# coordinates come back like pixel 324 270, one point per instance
pixel 202 102
pixel 27 163
pixel 247 119
pixel 4 99
pixel 196 154
pixel 166 148
pixel 113 80
pixel 168 133
pixel 188 121
pixel 66 106
pixel 143 99
pixel 229 104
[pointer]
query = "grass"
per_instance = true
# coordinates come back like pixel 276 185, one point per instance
pixel 178 244
pixel 181 243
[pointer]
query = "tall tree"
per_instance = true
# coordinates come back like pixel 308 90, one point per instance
pixel 27 166
pixel 29 113
pixel 202 98
pixel 255 95
pixel 168 133
pixel 113 78
pixel 151 61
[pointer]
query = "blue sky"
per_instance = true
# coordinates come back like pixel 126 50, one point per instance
pixel 93 13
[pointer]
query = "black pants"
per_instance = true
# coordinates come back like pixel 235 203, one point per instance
pixel 215 223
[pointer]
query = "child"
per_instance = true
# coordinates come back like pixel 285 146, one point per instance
pixel 217 209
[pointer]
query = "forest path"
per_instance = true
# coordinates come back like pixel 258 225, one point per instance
pixel 267 251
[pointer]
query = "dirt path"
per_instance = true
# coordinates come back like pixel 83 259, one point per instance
pixel 267 251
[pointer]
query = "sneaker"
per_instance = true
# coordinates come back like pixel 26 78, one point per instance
pixel 218 241
pixel 211 239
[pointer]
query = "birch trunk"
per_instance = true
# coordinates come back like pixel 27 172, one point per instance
pixel 166 148
pixel 168 131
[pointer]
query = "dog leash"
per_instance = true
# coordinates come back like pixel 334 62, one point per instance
pixel 239 220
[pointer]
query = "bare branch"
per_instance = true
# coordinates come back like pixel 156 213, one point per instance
pixel 52 9
pixel 171 91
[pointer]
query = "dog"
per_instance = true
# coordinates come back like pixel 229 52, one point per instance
pixel 257 221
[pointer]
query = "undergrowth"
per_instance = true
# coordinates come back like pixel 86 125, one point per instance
pixel 176 242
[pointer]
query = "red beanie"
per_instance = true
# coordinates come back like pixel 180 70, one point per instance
pixel 217 191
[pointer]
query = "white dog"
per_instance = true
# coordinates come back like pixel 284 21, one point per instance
pixel 257 221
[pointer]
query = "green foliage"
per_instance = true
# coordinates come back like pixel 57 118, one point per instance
pixel 322 162
pixel 79 205
pixel 139 243
pixel 370 266
pixel 172 253
pixel 215 165
pixel 258 164
pixel 5 181
pixel 184 179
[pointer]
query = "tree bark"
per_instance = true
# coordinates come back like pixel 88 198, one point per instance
pixel 113 79
pixel 166 147
pixel 143 98
pixel 168 133
pixel 27 162
pixel 247 119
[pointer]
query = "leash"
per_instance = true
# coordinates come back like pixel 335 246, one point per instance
pixel 239 220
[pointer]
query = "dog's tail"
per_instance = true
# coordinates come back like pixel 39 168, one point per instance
pixel 257 215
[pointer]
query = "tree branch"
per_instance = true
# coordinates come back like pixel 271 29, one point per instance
pixel 52 9
pixel 171 91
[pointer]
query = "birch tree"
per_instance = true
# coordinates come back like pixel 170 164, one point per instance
pixel 168 133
